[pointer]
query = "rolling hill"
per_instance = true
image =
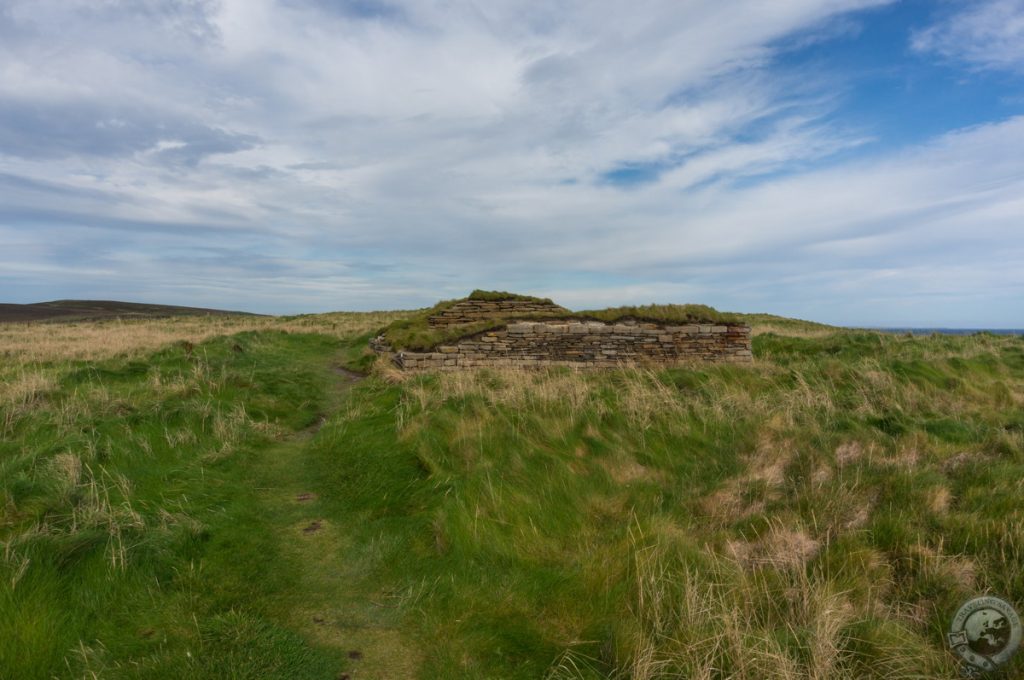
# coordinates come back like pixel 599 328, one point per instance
pixel 91 310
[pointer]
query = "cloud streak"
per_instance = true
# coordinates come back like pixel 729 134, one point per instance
pixel 988 34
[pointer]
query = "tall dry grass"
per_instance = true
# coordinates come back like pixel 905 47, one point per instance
pixel 34 355
pixel 837 533
pixel 812 515
pixel 96 340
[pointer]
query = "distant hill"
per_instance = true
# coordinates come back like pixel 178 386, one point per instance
pixel 89 310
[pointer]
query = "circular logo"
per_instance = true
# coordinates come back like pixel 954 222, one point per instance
pixel 985 633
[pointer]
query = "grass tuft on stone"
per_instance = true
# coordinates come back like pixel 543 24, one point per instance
pixel 667 314
pixel 500 295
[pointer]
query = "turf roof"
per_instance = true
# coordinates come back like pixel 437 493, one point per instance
pixel 498 295
pixel 415 333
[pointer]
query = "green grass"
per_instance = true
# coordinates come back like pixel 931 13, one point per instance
pixel 125 489
pixel 781 324
pixel 821 513
pixel 497 295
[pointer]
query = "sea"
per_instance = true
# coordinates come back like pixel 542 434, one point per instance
pixel 953 331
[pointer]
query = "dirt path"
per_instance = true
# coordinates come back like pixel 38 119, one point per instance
pixel 327 606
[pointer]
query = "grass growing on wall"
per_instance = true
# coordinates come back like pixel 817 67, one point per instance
pixel 234 508
pixel 668 314
pixel 415 333
pixel 500 295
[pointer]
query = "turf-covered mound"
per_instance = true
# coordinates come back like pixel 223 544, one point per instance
pixel 501 296
pixel 487 305
pixel 418 333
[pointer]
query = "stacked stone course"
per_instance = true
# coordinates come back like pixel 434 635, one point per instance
pixel 583 343
pixel 470 311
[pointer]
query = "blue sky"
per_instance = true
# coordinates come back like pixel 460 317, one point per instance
pixel 857 162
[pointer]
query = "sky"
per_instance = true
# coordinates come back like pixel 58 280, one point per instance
pixel 856 162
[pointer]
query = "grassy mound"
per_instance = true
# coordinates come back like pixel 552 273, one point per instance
pixel 414 332
pixel 770 323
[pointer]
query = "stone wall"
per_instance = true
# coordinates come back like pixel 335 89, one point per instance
pixel 580 343
pixel 470 311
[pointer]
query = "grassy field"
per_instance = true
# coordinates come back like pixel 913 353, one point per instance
pixel 215 498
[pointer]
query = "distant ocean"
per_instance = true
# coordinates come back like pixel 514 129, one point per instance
pixel 953 331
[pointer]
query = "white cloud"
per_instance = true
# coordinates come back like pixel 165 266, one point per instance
pixel 983 33
pixel 291 156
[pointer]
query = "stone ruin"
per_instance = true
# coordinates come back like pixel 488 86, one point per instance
pixel 471 311
pixel 553 336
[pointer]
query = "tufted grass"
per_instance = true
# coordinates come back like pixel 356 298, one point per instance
pixel 818 514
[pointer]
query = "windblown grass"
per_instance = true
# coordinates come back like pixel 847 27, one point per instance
pixel 114 474
pixel 819 514
pixel 96 340
pixel 780 325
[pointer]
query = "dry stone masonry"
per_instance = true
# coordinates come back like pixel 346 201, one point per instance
pixel 589 344
pixel 570 341
pixel 471 311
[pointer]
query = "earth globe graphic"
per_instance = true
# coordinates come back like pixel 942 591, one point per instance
pixel 988 631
